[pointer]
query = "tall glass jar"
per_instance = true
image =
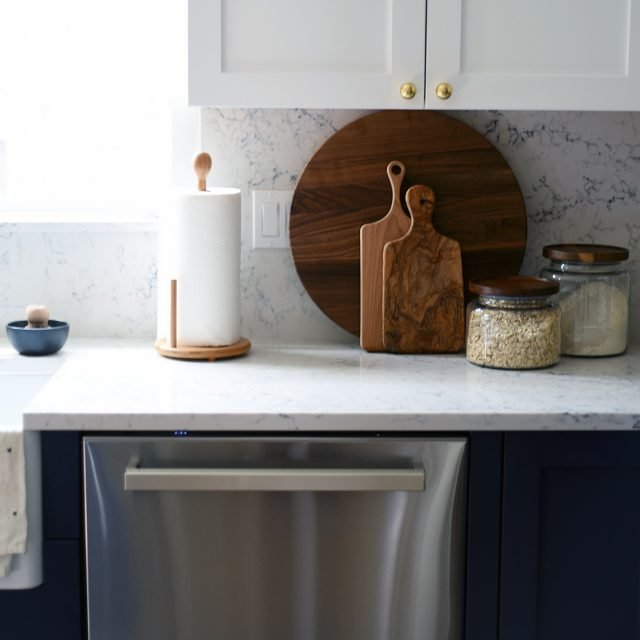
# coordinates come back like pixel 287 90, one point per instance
pixel 513 324
pixel 594 297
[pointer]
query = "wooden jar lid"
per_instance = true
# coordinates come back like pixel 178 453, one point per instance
pixel 514 287
pixel 585 253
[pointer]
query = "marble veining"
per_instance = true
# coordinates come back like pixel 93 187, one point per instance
pixel 102 282
pixel 268 149
pixel 124 386
pixel 578 173
pixel 579 176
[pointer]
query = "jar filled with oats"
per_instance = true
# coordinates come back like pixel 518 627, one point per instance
pixel 513 324
pixel 594 297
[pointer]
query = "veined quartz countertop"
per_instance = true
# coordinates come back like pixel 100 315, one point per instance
pixel 121 386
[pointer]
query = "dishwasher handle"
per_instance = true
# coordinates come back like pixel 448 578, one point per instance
pixel 137 478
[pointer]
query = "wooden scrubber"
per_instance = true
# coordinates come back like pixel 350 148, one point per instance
pixel 37 316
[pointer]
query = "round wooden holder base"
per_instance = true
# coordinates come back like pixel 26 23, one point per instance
pixel 203 353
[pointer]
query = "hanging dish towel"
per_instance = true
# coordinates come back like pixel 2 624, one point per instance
pixel 13 513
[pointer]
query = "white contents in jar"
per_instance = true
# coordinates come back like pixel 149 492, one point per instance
pixel 594 320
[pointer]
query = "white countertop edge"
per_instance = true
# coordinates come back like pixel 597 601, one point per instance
pixel 330 422
pixel 279 388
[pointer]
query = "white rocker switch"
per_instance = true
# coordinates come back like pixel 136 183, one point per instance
pixel 271 211
pixel 270 219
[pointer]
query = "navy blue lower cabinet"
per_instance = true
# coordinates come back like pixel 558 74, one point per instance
pixel 61 485
pixel 570 565
pixel 52 611
pixel 484 517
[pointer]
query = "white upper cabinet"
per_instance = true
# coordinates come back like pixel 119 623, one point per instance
pixel 306 53
pixel 534 54
pixel 488 54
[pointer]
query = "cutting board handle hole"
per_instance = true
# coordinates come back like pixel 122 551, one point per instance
pixel 396 169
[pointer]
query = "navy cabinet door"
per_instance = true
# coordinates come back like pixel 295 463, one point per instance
pixel 52 611
pixel 571 537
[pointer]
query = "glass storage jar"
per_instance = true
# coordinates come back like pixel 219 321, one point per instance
pixel 594 297
pixel 513 324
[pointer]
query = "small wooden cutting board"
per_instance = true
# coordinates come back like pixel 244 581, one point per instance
pixel 373 238
pixel 423 294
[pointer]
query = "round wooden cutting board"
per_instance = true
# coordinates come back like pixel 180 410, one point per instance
pixel 345 185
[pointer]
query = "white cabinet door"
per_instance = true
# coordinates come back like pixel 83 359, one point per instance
pixel 534 54
pixel 306 53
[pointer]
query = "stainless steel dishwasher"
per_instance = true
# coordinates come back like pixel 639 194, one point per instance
pixel 217 538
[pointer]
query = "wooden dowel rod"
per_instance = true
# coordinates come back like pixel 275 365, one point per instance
pixel 173 325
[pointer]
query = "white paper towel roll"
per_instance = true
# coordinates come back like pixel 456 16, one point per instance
pixel 208 267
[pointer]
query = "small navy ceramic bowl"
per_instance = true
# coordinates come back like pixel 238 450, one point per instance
pixel 37 342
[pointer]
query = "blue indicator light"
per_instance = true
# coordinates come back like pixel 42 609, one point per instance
pixel 181 433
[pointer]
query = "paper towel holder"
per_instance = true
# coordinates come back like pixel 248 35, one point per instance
pixel 170 349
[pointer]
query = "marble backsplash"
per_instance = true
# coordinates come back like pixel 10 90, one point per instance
pixel 578 172
pixel 103 282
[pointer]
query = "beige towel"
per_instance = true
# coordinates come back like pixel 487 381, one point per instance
pixel 13 512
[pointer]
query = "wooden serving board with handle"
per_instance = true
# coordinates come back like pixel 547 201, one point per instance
pixel 373 238
pixel 423 295
pixel 345 186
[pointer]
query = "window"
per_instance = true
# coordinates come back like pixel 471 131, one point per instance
pixel 87 96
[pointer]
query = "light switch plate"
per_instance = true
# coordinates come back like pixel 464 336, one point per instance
pixel 271 211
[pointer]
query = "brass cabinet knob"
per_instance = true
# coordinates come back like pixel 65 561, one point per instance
pixel 408 90
pixel 444 91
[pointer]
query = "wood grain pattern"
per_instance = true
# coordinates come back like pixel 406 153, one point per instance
pixel 423 295
pixel 344 186
pixel 373 238
pixel 203 353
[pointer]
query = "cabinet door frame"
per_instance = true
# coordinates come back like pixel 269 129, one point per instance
pixel 209 84
pixel 484 519
pixel 521 91
pixel 526 456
